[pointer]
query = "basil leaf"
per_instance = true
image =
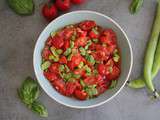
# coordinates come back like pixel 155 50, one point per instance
pixel 38 108
pixel 29 91
pixel 45 65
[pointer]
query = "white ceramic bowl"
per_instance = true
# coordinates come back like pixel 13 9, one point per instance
pixel 75 17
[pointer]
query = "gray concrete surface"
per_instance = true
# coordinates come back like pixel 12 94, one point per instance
pixel 18 36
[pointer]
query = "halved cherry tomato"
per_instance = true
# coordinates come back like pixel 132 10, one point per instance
pixel 49 41
pixel 81 41
pixel 114 74
pixel 93 34
pixel 59 85
pixel 80 72
pixel 57 41
pixel 90 80
pixel 80 94
pixel 70 88
pixel 87 25
pixel 101 69
pixel 67 33
pixel 46 52
pixel 54 68
pixel 81 33
pixel 63 60
pixel 50 76
pixel 66 44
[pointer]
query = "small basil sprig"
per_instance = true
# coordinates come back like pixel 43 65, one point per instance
pixel 29 93
pixel 135 6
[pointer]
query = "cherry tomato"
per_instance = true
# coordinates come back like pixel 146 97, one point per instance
pixel 81 33
pixel 87 25
pixel 76 59
pixel 113 74
pixel 81 41
pixel 54 68
pixel 101 69
pixel 93 35
pixel 49 41
pixel 63 4
pixel 59 85
pixel 79 72
pixel 46 52
pixel 90 80
pixel 68 33
pixel 49 11
pixel 77 1
pixel 57 41
pixel 70 88
pixel 63 60
pixel 50 76
pixel 80 94
pixel 102 88
pixel 66 44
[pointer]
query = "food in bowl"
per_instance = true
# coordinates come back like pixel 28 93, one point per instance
pixel 82 60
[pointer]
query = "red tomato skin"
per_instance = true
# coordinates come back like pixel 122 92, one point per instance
pixel 87 25
pixel 81 33
pixel 49 41
pixel 66 44
pixel 93 35
pixel 57 42
pixel 63 60
pixel 70 88
pixel 59 85
pixel 81 41
pixel 114 74
pixel 50 76
pixel 54 68
pixel 63 5
pixel 80 94
pixel 46 53
pixel 49 11
pixel 101 69
pixel 77 1
pixel 90 80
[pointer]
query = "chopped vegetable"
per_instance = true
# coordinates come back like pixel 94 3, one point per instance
pixel 83 51
pixel 45 65
pixel 68 51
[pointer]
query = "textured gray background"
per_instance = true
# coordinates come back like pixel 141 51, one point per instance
pixel 18 36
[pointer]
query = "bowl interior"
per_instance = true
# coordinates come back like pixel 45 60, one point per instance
pixel 75 17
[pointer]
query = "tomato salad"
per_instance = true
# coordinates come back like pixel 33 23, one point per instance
pixel 82 60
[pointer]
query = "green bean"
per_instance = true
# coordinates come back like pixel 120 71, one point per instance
pixel 135 6
pixel 137 83
pixel 156 64
pixel 150 52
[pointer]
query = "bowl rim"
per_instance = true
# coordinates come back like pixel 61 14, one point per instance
pixel 129 72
